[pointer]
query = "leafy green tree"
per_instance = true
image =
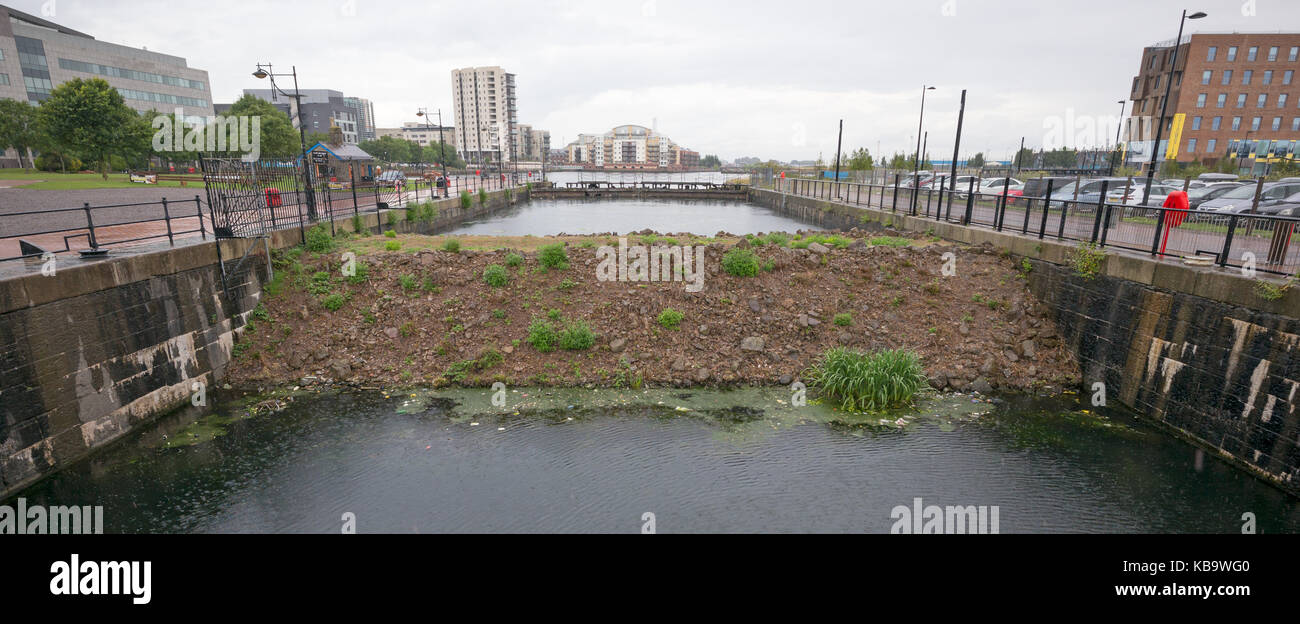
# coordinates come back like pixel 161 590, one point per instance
pixel 710 160
pixel 976 161
pixel 19 128
pixel 387 149
pixel 279 138
pixel 1024 159
pixel 90 119
pixel 438 152
pixel 861 160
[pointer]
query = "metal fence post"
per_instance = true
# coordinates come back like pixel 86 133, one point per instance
pixel 198 208
pixel 895 206
pixel 1101 201
pixel 1160 226
pixel 1047 203
pixel 90 225
pixel 167 218
pixel 970 202
pixel 1227 240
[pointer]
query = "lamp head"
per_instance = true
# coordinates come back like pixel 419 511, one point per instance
pixel 1196 15
pixel 260 73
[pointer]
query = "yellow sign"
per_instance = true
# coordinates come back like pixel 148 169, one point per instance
pixel 1175 136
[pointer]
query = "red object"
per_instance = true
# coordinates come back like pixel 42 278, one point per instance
pixel 171 167
pixel 273 198
pixel 191 169
pixel 477 172
pixel 1178 205
pixel 782 175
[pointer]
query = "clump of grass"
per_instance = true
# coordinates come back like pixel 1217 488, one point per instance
pixel 392 217
pixel 482 197
pixel 319 239
pixel 553 257
pixel 740 262
pixel 407 282
pixel 361 273
pixel 543 335
pixel 496 275
pixel 514 260
pixel 670 318
pixel 392 245
pixel 333 301
pixel 358 224
pixel 1086 260
pixel 452 245
pixel 875 381
pixel 390 233
pixel 465 200
pixel 890 241
pixel 844 319
pixel 577 336
pixel 1269 291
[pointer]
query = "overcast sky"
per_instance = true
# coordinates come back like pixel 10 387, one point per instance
pixel 740 78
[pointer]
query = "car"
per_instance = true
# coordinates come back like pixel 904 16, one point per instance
pixel 1242 198
pixel 1037 187
pixel 1090 190
pixel 1213 190
pixel 1288 207
pixel 1159 192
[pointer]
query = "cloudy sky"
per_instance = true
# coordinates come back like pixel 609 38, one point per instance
pixel 738 78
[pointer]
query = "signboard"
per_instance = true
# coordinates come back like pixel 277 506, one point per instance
pixel 320 158
pixel 1175 136
pixel 140 178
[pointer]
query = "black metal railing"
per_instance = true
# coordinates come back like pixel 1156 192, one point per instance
pixel 100 227
pixel 1266 242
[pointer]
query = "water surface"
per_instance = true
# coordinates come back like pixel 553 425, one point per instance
pixel 544 217
pixel 580 461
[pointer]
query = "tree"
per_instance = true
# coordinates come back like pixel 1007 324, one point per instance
pixel 976 161
pixel 90 119
pixel 18 128
pixel 279 139
pixel 710 161
pixel 437 153
pixel 860 160
pixel 1023 159
pixel 388 149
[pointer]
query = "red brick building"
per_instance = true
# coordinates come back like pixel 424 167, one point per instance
pixel 1237 91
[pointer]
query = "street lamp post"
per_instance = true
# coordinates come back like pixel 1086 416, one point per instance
pixel 265 71
pixel 442 154
pixel 1164 105
pixel 916 164
pixel 1118 126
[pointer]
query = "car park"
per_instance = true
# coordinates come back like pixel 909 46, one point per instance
pixel 1242 199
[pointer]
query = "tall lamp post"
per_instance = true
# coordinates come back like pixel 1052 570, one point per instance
pixel 1118 127
pixel 916 164
pixel 1164 105
pixel 442 147
pixel 264 71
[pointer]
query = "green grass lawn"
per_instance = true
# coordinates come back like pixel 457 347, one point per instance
pixel 55 181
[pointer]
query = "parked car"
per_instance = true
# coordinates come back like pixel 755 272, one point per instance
pixel 1213 190
pixel 915 180
pixel 1288 207
pixel 1242 198
pixel 1090 190
pixel 1159 192
pixel 1037 187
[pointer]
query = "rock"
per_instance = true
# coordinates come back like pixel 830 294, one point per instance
pixel 302 311
pixel 755 306
pixel 938 381
pixel 617 344
pixel 1028 349
pixel 784 380
pixel 680 364
pixel 507 349
pixel 752 343
pixel 818 248
pixel 1011 356
pixel 322 354
pixel 391 332
pixel 342 369
pixel 704 330
pixel 702 375
pixel 844 337
pixel 963 329
pixel 981 385
pixel 806 320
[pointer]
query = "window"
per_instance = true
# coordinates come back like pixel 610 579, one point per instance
pixel 1295 54
pixel 1281 100
pixel 1287 76
pixel 118 72
pixel 1268 76
pixel 1157 82
pixel 1245 76
pixel 1241 100
pixel 1277 123
pixel 1223 99
pixel 1295 124
pixel 1205 76
pixel 1272 53
pixel 1227 77
pixel 1152 64
pixel 1252 53
pixel 1196 123
pixel 1236 123
pixel 1216 123
pixel 1254 123
pixel 1191 146
pixel 1210 54
pixel 4 79
pixel 1200 101
pixel 1261 100
pixel 1210 145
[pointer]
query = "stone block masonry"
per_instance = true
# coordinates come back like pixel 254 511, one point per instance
pixel 96 350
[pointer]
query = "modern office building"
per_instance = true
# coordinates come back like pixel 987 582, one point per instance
pixel 321 108
pixel 483 102
pixel 530 143
pixel 365 111
pixel 37 55
pixel 1234 95
pixel 630 147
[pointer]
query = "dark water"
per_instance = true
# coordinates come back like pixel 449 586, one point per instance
pixel 573 216
pixel 578 461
